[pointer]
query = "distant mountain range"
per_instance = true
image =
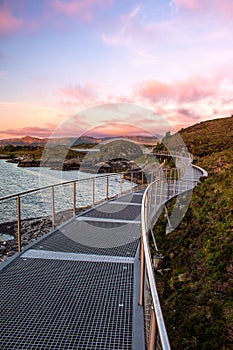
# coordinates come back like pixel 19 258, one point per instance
pixel 35 141
pixel 27 140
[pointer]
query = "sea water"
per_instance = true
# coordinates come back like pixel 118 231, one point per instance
pixel 14 179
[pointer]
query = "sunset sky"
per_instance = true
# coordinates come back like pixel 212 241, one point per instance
pixel 60 57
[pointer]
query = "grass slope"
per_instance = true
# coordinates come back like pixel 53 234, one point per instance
pixel 196 288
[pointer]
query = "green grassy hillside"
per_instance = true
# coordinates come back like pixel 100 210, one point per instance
pixel 195 281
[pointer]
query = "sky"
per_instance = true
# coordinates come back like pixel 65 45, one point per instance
pixel 62 58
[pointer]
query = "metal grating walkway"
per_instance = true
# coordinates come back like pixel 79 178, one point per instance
pixel 77 287
pixel 75 238
pixel 57 304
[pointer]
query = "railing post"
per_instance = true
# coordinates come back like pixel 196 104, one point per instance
pixel 174 188
pixel 161 173
pixel 93 191
pixel 131 179
pixel 156 193
pixel 150 206
pixel 168 189
pixel 53 209
pixel 107 187
pixel 18 223
pixel 161 191
pixel 142 178
pixel 153 330
pixel 121 184
pixel 142 273
pixel 74 198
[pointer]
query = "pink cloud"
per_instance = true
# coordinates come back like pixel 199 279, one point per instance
pixel 79 92
pixel 185 102
pixel 155 90
pixel 117 129
pixel 8 22
pixel 181 117
pixel 194 89
pixel 188 113
pixel 81 97
pixel 150 122
pixel 73 126
pixel 84 9
pixel 223 7
pixel 176 104
pixel 192 5
pixel 190 90
pixel 30 131
pixel 226 7
pixel 48 14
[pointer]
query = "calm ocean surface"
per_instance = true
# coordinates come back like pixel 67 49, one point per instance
pixel 14 180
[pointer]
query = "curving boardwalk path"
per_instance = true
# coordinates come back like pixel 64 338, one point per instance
pixel 78 287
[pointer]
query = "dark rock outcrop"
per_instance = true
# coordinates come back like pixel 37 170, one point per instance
pixel 27 163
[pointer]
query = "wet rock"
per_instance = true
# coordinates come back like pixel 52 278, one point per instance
pixel 4 237
pixel 27 163
pixel 2 249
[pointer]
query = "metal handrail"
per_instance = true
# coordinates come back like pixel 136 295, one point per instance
pixel 92 180
pixel 145 256
pixel 146 263
pixel 66 183
pixel 185 154
pixel 165 153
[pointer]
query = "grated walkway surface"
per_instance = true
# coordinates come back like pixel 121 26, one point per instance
pixel 100 238
pixel 76 287
pixel 57 304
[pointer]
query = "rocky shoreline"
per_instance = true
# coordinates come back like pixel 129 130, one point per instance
pixel 113 157
pixel 31 230
pixel 75 164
